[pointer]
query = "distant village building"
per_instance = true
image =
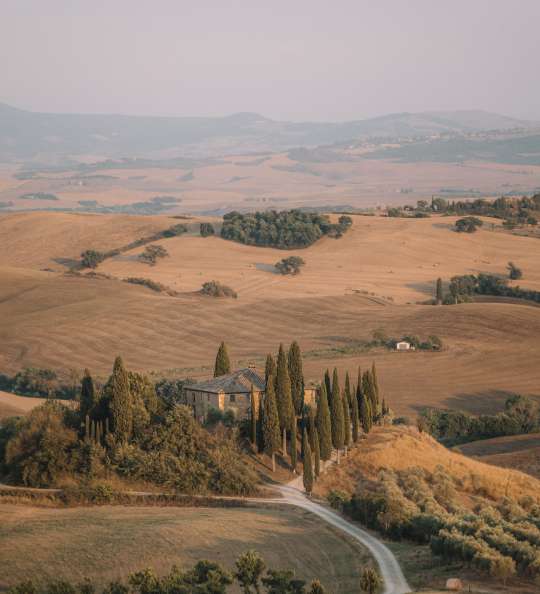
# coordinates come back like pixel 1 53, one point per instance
pixel 403 345
pixel 231 392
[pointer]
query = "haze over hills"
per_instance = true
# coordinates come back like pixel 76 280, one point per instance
pixel 49 137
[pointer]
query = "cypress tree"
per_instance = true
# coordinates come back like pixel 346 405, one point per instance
pixel 324 426
pixel 296 376
pixel 327 383
pixel 317 453
pixel 120 403
pixel 270 369
pixel 311 425
pixel 366 415
pixel 270 423
pixel 336 415
pixel 260 436
pixel 87 428
pixel 376 389
pixel 439 292
pixel 354 415
pixel 88 395
pixel 369 391
pixel 253 417
pixel 283 397
pixel 294 447
pixel 223 363
pixel 346 423
pixel 308 465
pixel 348 388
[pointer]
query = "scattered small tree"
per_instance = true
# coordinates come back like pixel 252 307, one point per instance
pixel 91 258
pixel 249 569
pixel 468 224
pixel 290 265
pixel 152 253
pixel 370 581
pixel 514 273
pixel 207 229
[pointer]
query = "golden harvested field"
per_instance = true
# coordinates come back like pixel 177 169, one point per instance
pixel 63 322
pixel 111 542
pixel 272 180
pixel 520 452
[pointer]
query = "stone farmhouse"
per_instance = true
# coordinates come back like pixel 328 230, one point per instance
pixel 231 392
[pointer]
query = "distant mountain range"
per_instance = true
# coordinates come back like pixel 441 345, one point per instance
pixel 54 138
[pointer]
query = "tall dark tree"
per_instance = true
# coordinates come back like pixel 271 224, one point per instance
pixel 316 453
pixel 354 419
pixel 88 395
pixel 308 465
pixel 270 423
pixel 260 436
pixel 284 397
pixel 368 390
pixel 223 363
pixel 311 426
pixel 324 425
pixel 328 383
pixel 336 414
pixel 376 389
pixel 120 402
pixel 253 416
pixel 366 414
pixel 294 451
pixel 270 369
pixel 348 394
pixel 296 376
pixel 346 422
pixel 439 292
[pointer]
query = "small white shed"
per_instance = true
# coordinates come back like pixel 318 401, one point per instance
pixel 403 345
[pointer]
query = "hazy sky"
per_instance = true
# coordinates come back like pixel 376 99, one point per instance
pixel 294 59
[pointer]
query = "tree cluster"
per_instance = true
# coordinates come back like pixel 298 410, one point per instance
pixel 285 229
pixel 207 229
pixel 152 253
pixel 216 289
pixel 290 265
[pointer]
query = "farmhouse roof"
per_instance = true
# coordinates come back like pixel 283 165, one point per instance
pixel 238 381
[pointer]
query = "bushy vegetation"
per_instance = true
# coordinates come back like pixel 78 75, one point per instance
pixel 216 289
pixel 290 265
pixel 468 224
pixel 152 253
pixel 92 258
pixel 499 538
pixel 123 429
pixel 285 230
pixel 463 288
pixel 38 196
pixel 521 415
pixel 151 284
pixel 207 229
pixel 514 273
pixel 40 383
pixel 250 575
pixel 381 339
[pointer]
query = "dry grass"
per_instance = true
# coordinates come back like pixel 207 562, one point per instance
pixel 109 542
pixel 401 448
pixel 12 405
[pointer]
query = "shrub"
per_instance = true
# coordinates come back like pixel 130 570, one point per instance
pixel 216 289
pixel 290 265
pixel 150 284
pixel 175 230
pixel 514 273
pixel 207 229
pixel 92 258
pixel 152 253
pixel 468 224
